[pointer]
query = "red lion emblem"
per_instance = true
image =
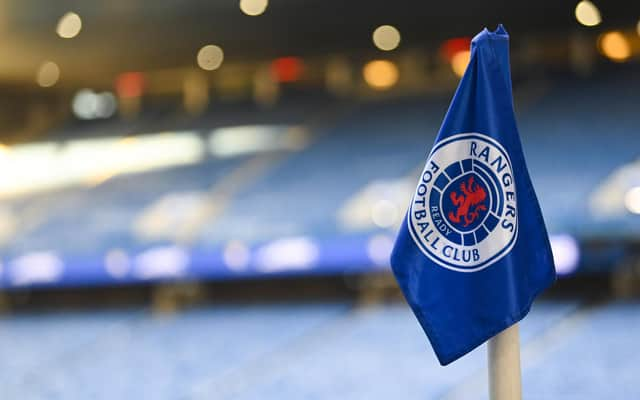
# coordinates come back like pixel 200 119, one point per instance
pixel 473 196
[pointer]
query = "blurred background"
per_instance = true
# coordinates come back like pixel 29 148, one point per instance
pixel 198 198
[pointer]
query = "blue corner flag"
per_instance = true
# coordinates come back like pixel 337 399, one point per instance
pixel 473 251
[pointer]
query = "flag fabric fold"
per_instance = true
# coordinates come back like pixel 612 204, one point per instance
pixel 473 251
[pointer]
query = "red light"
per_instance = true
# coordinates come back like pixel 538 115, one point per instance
pixel 287 69
pixel 453 46
pixel 130 84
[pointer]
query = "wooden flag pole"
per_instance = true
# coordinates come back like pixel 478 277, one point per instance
pixel 504 365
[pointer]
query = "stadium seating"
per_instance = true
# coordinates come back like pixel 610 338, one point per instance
pixel 221 216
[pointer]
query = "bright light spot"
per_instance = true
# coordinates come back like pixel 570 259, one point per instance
pixel 236 255
pixel 84 104
pixel 162 262
pixel 638 27
pixel 37 267
pixel 455 45
pixel 106 105
pixel 48 74
pixel 615 46
pixel 287 69
pixel 587 13
pixel 380 74
pixel 69 25
pixel 90 105
pixel 36 167
pixel 298 253
pixel 384 213
pixel 117 263
pixel 459 62
pixel 379 249
pixel 566 253
pixel 210 57
pixel 632 200
pixel 253 7
pixel 130 84
pixel 239 140
pixel 386 37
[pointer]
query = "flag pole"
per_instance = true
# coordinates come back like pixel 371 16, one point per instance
pixel 504 365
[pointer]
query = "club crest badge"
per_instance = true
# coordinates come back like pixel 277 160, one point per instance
pixel 464 212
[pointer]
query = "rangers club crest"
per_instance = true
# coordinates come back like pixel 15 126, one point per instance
pixel 464 213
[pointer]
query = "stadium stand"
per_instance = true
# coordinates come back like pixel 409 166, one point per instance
pixel 327 190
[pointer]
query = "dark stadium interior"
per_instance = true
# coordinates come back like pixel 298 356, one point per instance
pixel 198 198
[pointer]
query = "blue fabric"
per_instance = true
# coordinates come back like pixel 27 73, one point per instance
pixel 473 251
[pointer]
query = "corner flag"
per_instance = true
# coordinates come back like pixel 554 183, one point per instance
pixel 473 251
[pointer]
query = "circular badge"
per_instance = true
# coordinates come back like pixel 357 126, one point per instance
pixel 464 213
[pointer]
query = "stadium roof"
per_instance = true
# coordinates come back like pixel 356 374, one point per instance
pixel 121 35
